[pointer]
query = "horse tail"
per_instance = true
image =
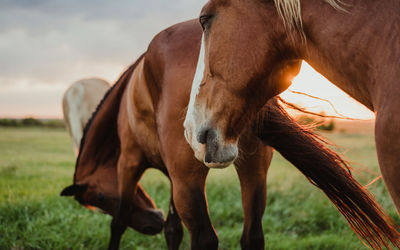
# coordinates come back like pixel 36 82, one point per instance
pixel 329 172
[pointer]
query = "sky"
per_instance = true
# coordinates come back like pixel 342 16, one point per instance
pixel 312 83
pixel 46 45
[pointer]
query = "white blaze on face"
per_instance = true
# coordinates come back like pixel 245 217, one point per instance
pixel 198 77
pixel 190 120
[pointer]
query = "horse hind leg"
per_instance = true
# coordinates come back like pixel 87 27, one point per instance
pixel 252 166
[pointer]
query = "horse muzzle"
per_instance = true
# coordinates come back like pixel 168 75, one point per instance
pixel 148 222
pixel 217 153
pixel 208 145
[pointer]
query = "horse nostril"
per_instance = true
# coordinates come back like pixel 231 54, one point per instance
pixel 202 135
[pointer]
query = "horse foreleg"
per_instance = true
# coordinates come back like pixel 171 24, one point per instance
pixel 117 230
pixel 173 230
pixel 387 137
pixel 252 166
pixel 190 201
pixel 129 171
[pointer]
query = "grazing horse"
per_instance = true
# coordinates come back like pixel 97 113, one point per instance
pixel 139 124
pixel 79 102
pixel 251 50
pixel 95 183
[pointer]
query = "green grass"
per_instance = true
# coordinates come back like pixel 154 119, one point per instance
pixel 37 163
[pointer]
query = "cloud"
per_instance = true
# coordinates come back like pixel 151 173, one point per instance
pixel 45 45
pixel 55 41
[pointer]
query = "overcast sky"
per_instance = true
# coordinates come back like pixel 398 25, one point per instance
pixel 45 45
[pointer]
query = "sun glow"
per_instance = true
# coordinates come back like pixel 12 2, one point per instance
pixel 312 83
pixel 24 99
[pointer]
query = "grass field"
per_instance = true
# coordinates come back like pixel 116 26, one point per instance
pixel 37 163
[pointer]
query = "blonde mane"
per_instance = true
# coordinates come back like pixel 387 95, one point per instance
pixel 290 11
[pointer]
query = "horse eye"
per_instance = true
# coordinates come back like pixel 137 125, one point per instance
pixel 204 21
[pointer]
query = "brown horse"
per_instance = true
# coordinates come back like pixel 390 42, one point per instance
pixel 253 49
pixel 95 178
pixel 139 124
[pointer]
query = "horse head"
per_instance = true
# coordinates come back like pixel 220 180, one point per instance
pixel 100 191
pixel 239 69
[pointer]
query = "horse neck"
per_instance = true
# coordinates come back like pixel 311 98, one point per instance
pixel 345 46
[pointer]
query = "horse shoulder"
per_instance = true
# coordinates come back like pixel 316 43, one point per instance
pixel 140 114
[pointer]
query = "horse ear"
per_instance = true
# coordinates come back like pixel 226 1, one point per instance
pixel 74 189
